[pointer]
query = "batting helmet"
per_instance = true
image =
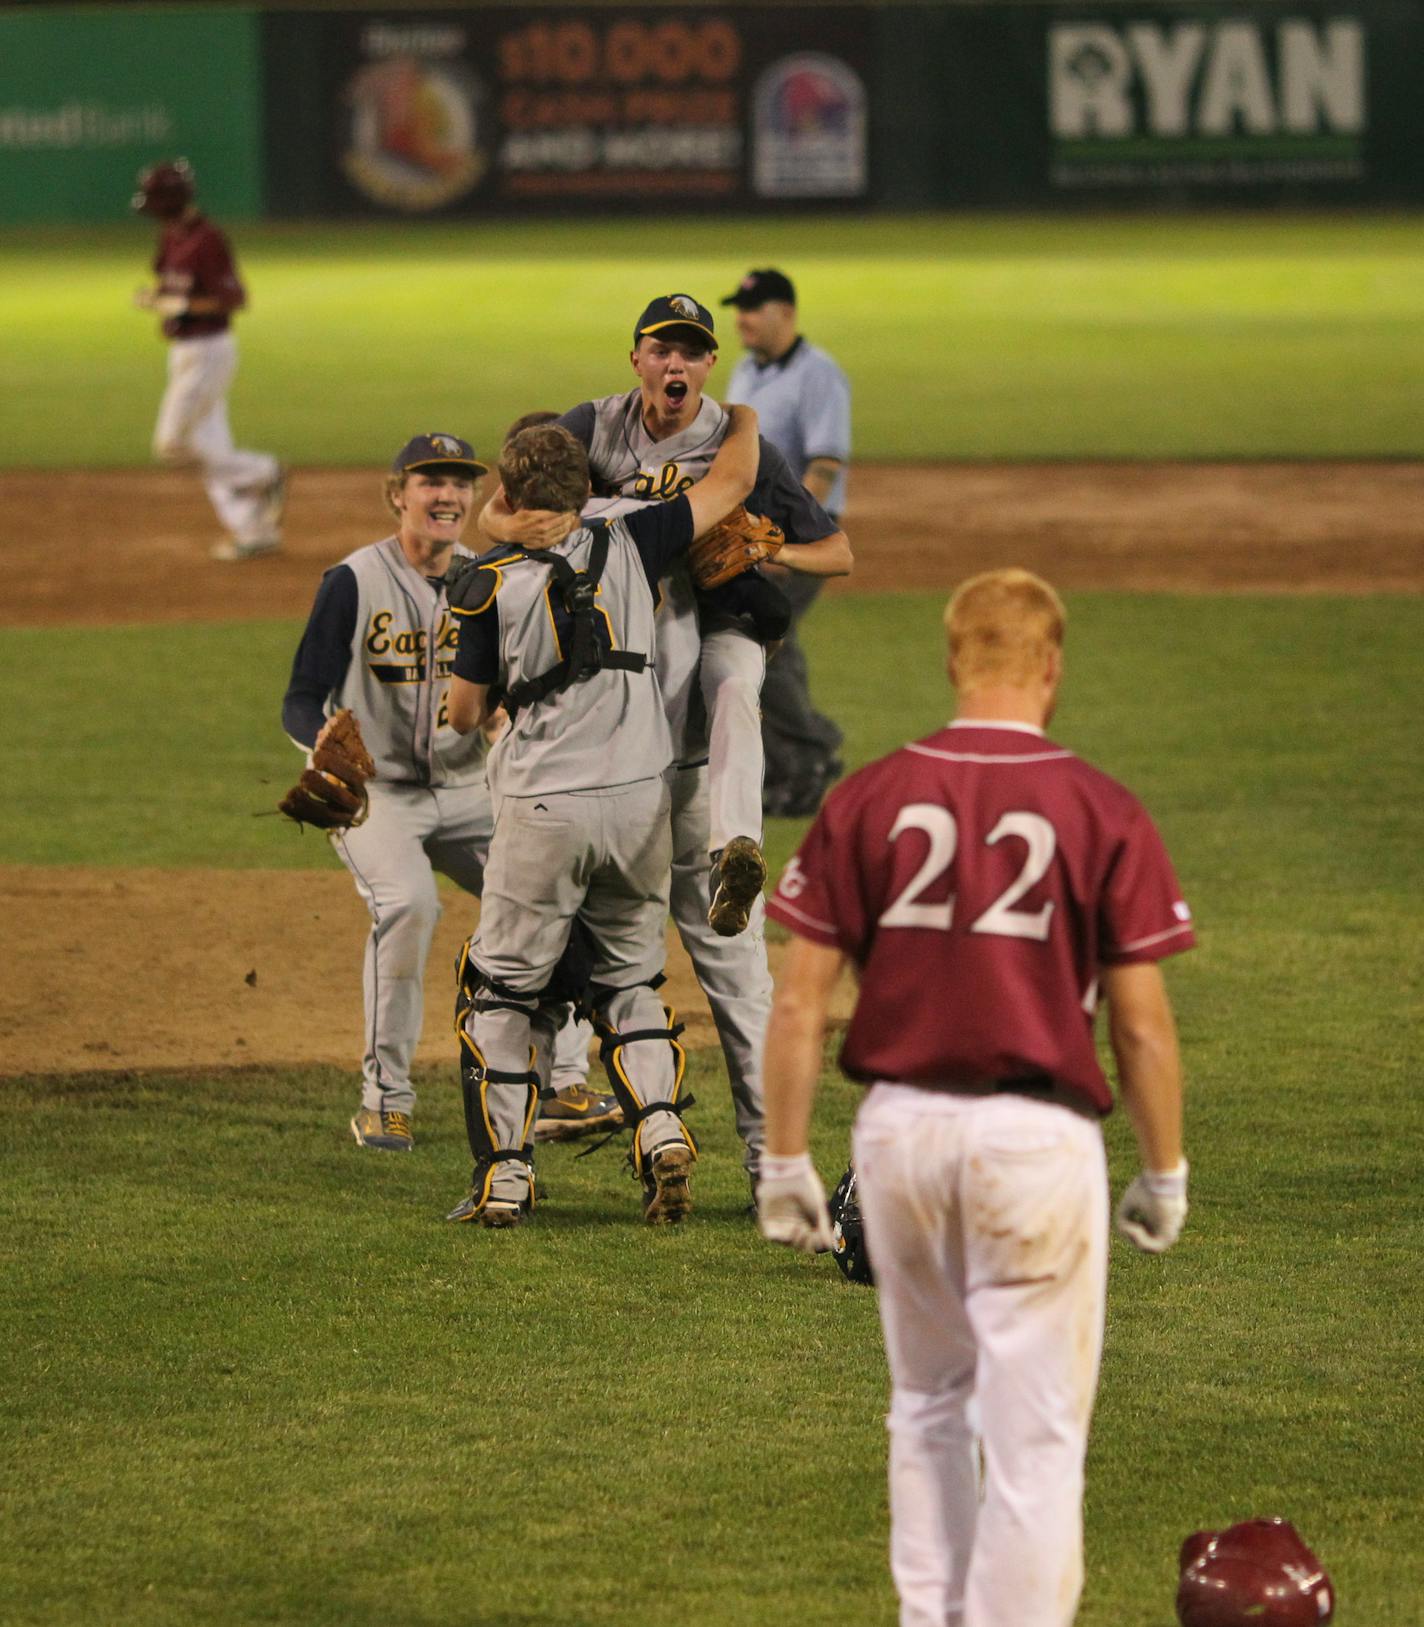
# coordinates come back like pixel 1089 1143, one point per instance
pixel 848 1229
pixel 164 189
pixel 1256 1574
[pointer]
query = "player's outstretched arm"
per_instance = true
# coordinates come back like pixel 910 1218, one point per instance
pixel 733 473
pixel 791 1202
pixel 826 556
pixel 1143 1032
pixel 523 528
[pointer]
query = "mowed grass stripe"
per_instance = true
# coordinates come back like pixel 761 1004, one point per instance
pixel 980 338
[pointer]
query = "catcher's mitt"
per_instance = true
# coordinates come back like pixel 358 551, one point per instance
pixel 331 794
pixel 732 546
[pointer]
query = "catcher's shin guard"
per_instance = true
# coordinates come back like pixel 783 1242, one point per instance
pixel 500 1101
pixel 645 1066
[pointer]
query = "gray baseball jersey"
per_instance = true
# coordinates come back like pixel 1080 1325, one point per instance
pixel 612 728
pixel 381 640
pixel 626 462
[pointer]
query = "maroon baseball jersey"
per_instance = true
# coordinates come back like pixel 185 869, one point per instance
pixel 979 879
pixel 194 259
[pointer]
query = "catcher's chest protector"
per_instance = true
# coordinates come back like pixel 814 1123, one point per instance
pixel 589 646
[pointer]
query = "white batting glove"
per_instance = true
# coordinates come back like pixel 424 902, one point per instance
pixel 791 1203
pixel 1153 1210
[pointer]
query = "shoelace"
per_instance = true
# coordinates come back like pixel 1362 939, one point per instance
pixel 399 1123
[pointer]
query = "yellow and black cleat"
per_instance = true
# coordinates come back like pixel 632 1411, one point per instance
pixel 390 1132
pixel 576 1111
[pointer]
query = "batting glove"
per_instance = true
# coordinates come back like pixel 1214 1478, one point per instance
pixel 791 1203
pixel 1151 1213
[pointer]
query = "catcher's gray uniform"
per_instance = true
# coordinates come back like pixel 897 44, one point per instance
pixel 714 668
pixel 582 830
pixel 380 640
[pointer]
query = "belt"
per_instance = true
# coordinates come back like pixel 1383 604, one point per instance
pixel 1039 1087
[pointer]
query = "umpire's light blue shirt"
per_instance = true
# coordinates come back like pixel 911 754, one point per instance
pixel 803 404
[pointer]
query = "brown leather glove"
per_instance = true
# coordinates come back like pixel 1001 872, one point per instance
pixel 331 794
pixel 732 546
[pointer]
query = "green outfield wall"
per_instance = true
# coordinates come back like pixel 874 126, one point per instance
pixel 527 109
pixel 89 96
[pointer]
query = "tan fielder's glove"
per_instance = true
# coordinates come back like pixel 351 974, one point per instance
pixel 331 794
pixel 732 546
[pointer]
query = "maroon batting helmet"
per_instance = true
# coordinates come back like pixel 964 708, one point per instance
pixel 164 189
pixel 1256 1574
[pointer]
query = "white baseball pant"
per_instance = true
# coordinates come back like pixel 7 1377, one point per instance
pixel 987 1223
pixel 192 427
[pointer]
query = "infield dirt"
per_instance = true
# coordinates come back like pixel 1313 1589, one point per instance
pixel 243 967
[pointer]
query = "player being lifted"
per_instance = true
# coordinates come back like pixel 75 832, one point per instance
pixel 565 632
pixel 647 445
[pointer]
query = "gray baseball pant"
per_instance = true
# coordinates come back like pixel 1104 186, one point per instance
pixel 412 831
pixel 732 971
pixel 604 855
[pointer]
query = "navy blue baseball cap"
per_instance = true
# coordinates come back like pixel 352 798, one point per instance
pixel 437 452
pixel 671 311
pixel 757 287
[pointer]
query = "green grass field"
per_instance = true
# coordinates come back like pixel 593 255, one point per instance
pixel 1245 336
pixel 253 1377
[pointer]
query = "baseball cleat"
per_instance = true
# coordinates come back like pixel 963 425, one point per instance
pixel 499 1214
pixel 274 501
pixel 741 874
pixel 576 1111
pixel 231 552
pixel 667 1192
pixel 389 1131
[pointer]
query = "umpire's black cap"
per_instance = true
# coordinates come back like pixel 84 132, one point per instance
pixel 435 451
pixel 757 287
pixel 671 311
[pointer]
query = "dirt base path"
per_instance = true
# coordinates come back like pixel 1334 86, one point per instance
pixel 136 542
pixel 258 967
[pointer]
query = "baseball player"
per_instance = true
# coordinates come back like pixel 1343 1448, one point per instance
pixel 195 292
pixel 988 886
pixel 380 640
pixel 649 445
pixel 566 632
pixel 802 400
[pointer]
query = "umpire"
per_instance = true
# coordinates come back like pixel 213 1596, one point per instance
pixel 803 401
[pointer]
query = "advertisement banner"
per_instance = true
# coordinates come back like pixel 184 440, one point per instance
pixel 457 112
pixel 87 98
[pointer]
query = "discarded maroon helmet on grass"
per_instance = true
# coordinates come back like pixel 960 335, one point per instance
pixel 1255 1574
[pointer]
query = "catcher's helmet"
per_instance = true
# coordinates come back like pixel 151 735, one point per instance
pixel 848 1229
pixel 164 189
pixel 1256 1574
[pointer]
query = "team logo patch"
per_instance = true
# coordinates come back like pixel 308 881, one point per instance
pixel 448 445
pixel 686 307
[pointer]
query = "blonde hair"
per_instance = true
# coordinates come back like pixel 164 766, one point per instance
pixel 391 487
pixel 1001 627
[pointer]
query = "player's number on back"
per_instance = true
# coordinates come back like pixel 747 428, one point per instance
pixel 1001 919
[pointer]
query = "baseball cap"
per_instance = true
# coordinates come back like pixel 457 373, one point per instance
pixel 437 451
pixel 675 311
pixel 757 287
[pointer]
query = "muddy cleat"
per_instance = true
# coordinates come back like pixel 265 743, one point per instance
pixel 667 1192
pixel 231 552
pixel 740 872
pixel 389 1131
pixel 496 1213
pixel 576 1111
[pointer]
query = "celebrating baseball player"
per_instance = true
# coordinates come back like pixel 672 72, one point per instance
pixel 195 294
pixel 802 399
pixel 988 886
pixel 566 632
pixel 649 445
pixel 380 644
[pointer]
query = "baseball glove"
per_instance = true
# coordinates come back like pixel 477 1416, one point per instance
pixel 331 794
pixel 732 546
